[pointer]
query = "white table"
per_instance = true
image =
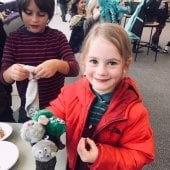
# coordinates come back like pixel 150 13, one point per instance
pixel 7 4
pixel 26 160
pixel 7 1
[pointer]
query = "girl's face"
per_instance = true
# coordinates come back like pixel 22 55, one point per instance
pixel 81 5
pixel 34 19
pixel 96 9
pixel 104 66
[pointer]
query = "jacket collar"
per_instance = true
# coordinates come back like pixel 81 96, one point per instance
pixel 126 94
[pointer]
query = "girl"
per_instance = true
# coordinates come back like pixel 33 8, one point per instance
pixel 37 45
pixel 93 15
pixel 107 125
pixel 77 34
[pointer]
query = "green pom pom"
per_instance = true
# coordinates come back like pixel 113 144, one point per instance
pixel 44 112
pixel 56 127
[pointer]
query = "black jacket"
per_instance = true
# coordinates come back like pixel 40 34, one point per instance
pixel 6 113
pixel 2 39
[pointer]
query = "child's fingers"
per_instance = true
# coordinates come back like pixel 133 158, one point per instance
pixel 87 150
pixel 91 143
pixel 81 145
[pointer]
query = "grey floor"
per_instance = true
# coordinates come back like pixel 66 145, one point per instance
pixel 153 79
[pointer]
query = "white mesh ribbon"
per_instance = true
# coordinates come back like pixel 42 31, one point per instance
pixel 32 97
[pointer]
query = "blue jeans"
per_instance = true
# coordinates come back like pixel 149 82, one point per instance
pixel 63 7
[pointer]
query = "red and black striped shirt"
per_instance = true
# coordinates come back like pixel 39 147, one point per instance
pixel 34 48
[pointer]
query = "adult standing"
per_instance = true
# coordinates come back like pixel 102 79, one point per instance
pixel 161 17
pixel 63 8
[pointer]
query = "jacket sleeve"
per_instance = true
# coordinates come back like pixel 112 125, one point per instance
pixel 88 23
pixel 57 107
pixel 135 147
pixel 8 56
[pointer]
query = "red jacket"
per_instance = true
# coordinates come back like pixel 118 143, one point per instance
pixel 123 135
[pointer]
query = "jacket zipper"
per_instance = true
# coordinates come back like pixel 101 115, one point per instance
pixel 83 128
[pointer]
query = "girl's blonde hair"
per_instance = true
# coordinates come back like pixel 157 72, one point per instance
pixel 113 33
pixel 90 7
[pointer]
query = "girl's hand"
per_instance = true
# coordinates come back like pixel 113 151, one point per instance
pixel 96 15
pixel 16 72
pixel 48 68
pixel 87 150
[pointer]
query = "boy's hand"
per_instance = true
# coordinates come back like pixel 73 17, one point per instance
pixel 17 72
pixel 87 150
pixel 48 68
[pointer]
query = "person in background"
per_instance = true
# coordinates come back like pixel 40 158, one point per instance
pixel 112 11
pixel 161 17
pixel 6 112
pixel 78 13
pixel 63 7
pixel 107 125
pixel 147 11
pixel 92 17
pixel 37 45
pixel 166 47
pixel 78 7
